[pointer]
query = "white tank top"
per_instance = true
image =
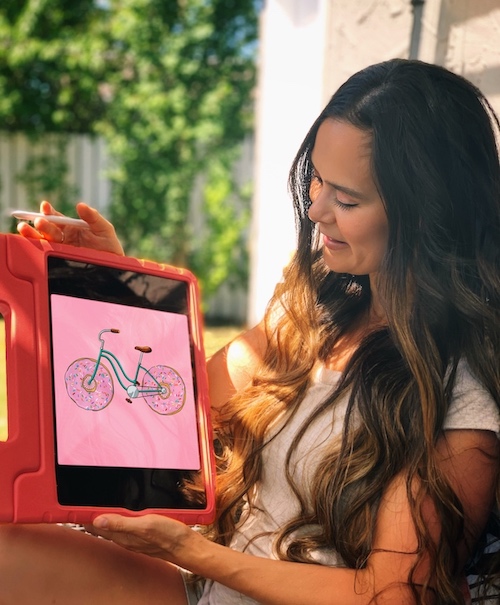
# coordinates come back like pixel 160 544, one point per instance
pixel 274 501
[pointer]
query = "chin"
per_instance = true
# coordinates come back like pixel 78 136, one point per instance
pixel 334 265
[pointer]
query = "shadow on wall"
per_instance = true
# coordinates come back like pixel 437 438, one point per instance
pixel 487 78
pixel 300 12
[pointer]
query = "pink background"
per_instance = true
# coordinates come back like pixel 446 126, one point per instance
pixel 122 434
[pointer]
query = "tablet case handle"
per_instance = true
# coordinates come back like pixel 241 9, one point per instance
pixel 22 380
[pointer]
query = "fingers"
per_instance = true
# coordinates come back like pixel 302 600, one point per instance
pixel 49 231
pixel 99 228
pixel 26 230
pixel 100 235
pixel 41 229
pixel 151 534
pixel 139 534
pixel 143 526
pixel 92 217
pixel 47 208
pixel 109 522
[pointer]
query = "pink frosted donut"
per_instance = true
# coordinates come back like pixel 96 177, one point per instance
pixel 92 396
pixel 173 395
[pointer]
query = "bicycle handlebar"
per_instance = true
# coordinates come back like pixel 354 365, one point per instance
pixel 113 330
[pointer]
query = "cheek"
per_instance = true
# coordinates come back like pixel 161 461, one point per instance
pixel 374 238
pixel 383 235
pixel 364 231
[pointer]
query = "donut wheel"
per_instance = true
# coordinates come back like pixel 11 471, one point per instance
pixel 170 400
pixel 95 395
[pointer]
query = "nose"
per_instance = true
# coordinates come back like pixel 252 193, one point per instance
pixel 321 210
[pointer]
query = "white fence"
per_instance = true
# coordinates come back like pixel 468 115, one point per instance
pixel 86 159
pixel 87 165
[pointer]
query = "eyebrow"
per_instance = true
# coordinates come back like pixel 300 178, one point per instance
pixel 347 190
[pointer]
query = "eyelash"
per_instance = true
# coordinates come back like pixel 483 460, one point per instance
pixel 341 205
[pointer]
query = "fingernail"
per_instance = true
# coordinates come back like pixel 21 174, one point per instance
pixel 100 522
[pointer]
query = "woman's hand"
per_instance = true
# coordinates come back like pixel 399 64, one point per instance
pixel 152 535
pixel 100 235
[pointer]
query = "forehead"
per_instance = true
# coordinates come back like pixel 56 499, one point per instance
pixel 342 150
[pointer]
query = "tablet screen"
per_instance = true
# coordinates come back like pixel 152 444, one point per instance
pixel 124 388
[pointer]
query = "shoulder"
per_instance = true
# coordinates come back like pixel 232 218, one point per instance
pixel 231 369
pixel 471 406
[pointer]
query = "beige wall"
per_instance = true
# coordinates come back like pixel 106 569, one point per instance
pixel 308 48
pixel 464 36
pixel 363 32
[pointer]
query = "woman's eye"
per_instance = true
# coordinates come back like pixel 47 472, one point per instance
pixel 343 205
pixel 315 187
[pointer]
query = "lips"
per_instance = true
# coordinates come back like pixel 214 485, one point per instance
pixel 334 244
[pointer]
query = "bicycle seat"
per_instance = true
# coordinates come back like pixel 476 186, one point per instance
pixel 143 349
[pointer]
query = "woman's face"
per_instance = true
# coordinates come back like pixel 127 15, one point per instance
pixel 346 206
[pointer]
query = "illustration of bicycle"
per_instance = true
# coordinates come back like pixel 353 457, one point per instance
pixel 90 385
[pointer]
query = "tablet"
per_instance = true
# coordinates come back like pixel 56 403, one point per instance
pixel 118 380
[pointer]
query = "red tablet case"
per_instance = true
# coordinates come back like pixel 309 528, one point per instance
pixel 27 475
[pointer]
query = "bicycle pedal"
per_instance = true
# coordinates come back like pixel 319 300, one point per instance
pixel 128 400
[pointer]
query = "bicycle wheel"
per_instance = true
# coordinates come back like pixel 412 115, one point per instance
pixel 92 396
pixel 171 393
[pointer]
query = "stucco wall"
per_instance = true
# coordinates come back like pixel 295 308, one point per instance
pixel 308 48
pixel 464 36
pixel 362 33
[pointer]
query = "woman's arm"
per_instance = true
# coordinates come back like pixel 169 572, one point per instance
pixel 101 234
pixel 470 460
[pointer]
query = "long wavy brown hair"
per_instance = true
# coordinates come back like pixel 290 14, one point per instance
pixel 436 164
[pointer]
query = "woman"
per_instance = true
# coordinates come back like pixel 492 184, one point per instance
pixel 358 423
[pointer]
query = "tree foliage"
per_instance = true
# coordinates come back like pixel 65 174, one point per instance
pixel 168 84
pixel 52 60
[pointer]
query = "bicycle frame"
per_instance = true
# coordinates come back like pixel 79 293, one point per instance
pixel 133 389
